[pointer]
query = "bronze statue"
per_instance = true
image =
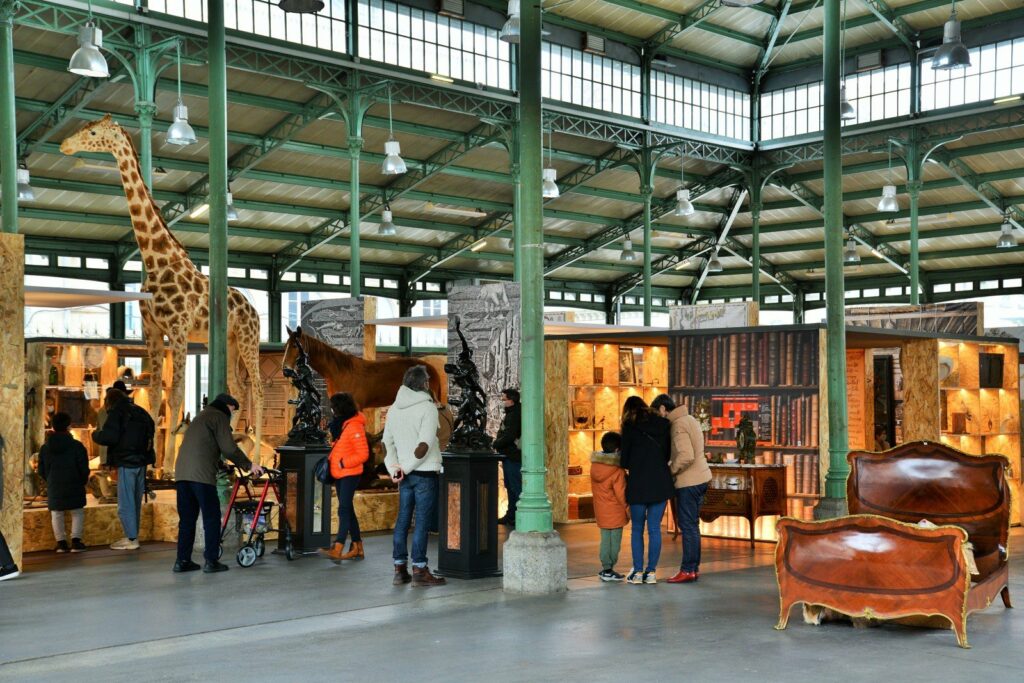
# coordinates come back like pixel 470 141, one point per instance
pixel 470 431
pixel 308 414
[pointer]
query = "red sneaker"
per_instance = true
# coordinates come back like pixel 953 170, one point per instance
pixel 684 577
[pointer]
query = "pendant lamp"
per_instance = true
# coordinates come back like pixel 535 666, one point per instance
pixel 231 214
pixel 387 226
pixel 952 54
pixel 850 255
pixel 301 6
pixel 180 132
pixel 393 162
pixel 714 264
pixel 510 31
pixel 1007 240
pixel 25 191
pixel 846 110
pixel 88 60
pixel 627 251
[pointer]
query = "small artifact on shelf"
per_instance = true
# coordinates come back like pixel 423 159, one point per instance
pixel 746 440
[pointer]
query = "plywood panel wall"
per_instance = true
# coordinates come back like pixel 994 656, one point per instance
pixel 556 426
pixel 12 389
pixel 919 360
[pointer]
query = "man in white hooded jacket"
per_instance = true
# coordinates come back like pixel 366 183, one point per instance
pixel 414 460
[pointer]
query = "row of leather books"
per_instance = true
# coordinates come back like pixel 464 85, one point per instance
pixel 782 420
pixel 746 359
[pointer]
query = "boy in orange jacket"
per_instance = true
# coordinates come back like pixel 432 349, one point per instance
pixel 608 482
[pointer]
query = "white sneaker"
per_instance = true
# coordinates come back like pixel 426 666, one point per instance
pixel 125 544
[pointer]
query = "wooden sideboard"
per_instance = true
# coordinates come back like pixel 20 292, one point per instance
pixel 755 491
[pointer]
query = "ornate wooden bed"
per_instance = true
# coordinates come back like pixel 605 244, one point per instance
pixel 877 562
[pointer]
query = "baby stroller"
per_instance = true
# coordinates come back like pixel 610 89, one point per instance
pixel 253 516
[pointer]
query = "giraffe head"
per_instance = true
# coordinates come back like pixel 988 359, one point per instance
pixel 102 135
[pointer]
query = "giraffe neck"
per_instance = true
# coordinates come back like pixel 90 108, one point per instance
pixel 157 245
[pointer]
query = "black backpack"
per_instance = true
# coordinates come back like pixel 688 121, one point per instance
pixel 146 430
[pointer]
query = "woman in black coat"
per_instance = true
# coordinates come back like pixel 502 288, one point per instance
pixel 646 449
pixel 64 464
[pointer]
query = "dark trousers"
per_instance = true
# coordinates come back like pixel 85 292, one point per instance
pixel 347 521
pixel 194 497
pixel 689 500
pixel 5 553
pixel 513 471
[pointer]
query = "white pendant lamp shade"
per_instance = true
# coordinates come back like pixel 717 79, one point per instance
pixel 952 54
pixel 846 110
pixel 850 255
pixel 25 191
pixel 627 251
pixel 888 201
pixel 387 226
pixel 180 132
pixel 714 264
pixel 510 31
pixel 1007 240
pixel 231 214
pixel 549 188
pixel 88 60
pixel 301 6
pixel 684 207
pixel 393 162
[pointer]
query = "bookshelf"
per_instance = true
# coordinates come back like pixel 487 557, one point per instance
pixel 770 376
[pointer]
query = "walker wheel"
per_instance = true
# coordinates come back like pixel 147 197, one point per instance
pixel 246 556
pixel 220 551
pixel 289 552
pixel 260 546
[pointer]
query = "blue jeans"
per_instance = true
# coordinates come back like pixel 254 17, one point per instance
pixel 689 500
pixel 131 485
pixel 416 494
pixel 347 521
pixel 513 484
pixel 194 497
pixel 649 514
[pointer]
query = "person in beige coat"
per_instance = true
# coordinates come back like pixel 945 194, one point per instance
pixel 691 474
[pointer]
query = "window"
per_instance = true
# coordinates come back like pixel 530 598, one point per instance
pixel 324 30
pixel 875 95
pixel 81 322
pixel 592 81
pixel 435 44
pixel 425 337
pixel 685 103
pixel 996 70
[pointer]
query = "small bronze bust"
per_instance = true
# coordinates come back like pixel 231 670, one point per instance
pixel 470 431
pixel 305 429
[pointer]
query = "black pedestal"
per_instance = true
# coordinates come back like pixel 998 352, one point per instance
pixel 307 502
pixel 468 504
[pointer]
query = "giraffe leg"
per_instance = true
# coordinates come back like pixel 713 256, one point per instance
pixel 175 399
pixel 154 338
pixel 250 352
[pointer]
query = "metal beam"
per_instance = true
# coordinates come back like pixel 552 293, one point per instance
pixel 722 235
pixel 892 21
pixel 695 18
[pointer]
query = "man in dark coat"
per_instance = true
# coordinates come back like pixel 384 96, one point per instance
pixel 207 439
pixel 507 443
pixel 8 570
pixel 64 464
pixel 128 435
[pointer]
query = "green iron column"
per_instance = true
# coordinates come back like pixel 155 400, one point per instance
pixel 8 121
pixel 647 192
pixel 798 307
pixel 146 111
pixel 914 192
pixel 835 482
pixel 517 216
pixel 218 141
pixel 274 301
pixel 755 237
pixel 355 148
pixel 534 510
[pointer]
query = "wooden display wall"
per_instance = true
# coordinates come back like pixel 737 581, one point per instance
pixel 12 389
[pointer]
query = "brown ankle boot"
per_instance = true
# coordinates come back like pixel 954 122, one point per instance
pixel 401 575
pixel 421 576
pixel 355 551
pixel 334 553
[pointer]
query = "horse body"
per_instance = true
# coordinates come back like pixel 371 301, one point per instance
pixel 372 383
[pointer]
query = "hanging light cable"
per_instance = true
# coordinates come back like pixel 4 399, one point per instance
pixel 180 132
pixel 684 207
pixel 393 163
pixel 846 110
pixel 952 54
pixel 549 186
pixel 888 202
pixel 87 59
pixel 510 31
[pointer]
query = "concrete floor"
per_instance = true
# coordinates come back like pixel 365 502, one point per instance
pixel 125 617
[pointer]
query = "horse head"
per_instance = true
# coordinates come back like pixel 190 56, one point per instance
pixel 291 347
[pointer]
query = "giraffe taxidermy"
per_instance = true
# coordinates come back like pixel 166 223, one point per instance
pixel 179 309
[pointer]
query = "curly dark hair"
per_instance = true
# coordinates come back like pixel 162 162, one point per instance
pixel 343 406
pixel 635 410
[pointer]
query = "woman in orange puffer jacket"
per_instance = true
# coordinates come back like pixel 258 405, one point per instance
pixel 349 454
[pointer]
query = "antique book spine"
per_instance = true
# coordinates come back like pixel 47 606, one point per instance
pixel 790 359
pixel 773 358
pixel 814 421
pixel 734 351
pixel 680 355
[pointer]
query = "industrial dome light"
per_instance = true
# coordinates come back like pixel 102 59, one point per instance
pixel 627 251
pixel 230 214
pixel 180 132
pixel 510 31
pixel 684 207
pixel 714 264
pixel 387 226
pixel 888 201
pixel 850 255
pixel 846 110
pixel 549 188
pixel 952 54
pixel 393 163
pixel 88 60
pixel 1007 240
pixel 25 191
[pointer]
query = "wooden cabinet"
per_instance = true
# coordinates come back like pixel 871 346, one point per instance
pixel 748 491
